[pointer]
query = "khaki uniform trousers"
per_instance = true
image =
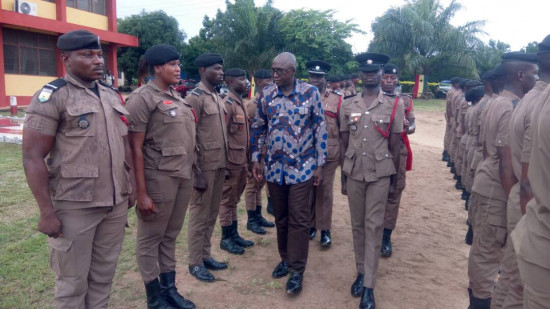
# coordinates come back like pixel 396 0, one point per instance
pixel 253 192
pixel 467 175
pixel 84 260
pixel 536 285
pixel 203 213
pixel 157 233
pixel 367 205
pixel 453 144
pixel 509 289
pixel 233 188
pixel 487 250
pixel 323 197
pixel 447 138
pixel 394 201
pixel 460 154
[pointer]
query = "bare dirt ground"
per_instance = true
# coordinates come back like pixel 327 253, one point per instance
pixel 427 270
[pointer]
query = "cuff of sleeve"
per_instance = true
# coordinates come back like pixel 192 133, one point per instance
pixel 137 127
pixel 256 156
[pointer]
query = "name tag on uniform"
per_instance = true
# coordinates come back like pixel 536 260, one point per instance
pixel 167 102
pixel 355 117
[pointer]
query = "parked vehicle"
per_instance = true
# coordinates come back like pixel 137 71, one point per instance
pixel 442 89
pixel 185 85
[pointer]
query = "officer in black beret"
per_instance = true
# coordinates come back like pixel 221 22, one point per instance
pixel 321 210
pixel 371 124
pixel 79 124
pixel 335 84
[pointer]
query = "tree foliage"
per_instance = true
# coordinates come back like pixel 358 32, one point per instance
pixel 419 38
pixel 488 55
pixel 151 28
pixel 249 37
pixel 532 47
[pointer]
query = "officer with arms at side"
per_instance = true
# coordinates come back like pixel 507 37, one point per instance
pixel 389 81
pixel 321 210
pixel 370 129
pixel 211 161
pixel 290 121
pixel 77 162
pixel 237 161
pixel 162 136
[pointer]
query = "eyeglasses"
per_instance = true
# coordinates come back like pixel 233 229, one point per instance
pixel 280 71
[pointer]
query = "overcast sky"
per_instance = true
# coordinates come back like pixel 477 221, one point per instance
pixel 514 22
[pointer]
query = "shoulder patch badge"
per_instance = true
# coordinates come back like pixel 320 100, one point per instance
pixel 197 91
pixel 50 88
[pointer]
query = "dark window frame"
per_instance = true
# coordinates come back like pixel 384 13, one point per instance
pixel 91 6
pixel 38 47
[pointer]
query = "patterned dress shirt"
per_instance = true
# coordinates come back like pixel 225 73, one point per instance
pixel 294 130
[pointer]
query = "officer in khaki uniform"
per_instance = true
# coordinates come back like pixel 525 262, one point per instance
pixel 370 126
pixel 82 188
pixel 211 160
pixel 390 78
pixel 238 137
pixel 448 114
pixel 509 291
pixel 321 210
pixel 452 138
pixel 495 178
pixel 253 191
pixel 460 110
pixel 162 136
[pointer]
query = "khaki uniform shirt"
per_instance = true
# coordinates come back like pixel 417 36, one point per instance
pixel 476 116
pixel 169 126
pixel 460 110
pixel 211 144
pixel 448 104
pixel 238 128
pixel 86 163
pixel 483 116
pixel 520 127
pixel 454 103
pixel 331 105
pixel 349 91
pixel 368 157
pixel 497 127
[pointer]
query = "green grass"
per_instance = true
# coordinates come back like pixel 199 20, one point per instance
pixel 432 105
pixel 20 113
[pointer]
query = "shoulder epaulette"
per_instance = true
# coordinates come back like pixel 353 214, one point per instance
pixel 50 88
pixel 389 94
pixel 335 92
pixel 197 91
pixel 405 95
pixel 102 83
pixel 350 96
pixel 230 100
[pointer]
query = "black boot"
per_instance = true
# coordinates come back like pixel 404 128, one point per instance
pixel 237 238
pixel 261 220
pixel 478 303
pixel 464 195
pixel 458 184
pixel 357 286
pixel 252 223
pixel 367 299
pixel 154 298
pixel 445 156
pixel 170 293
pixel 386 248
pixel 227 242
pixel 326 241
pixel 312 233
pixel 469 235
pixel 270 207
pixel 453 169
pixel 449 163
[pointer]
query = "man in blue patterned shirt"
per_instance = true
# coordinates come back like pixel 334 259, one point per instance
pixel 290 121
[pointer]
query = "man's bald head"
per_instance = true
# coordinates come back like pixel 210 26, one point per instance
pixel 283 69
pixel 520 73
pixel 286 59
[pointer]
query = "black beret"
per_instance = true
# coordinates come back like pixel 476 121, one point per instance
pixel 391 68
pixel 498 72
pixel 354 75
pixel 333 79
pixel 263 74
pixel 519 56
pixel 544 46
pixel 369 62
pixel 206 60
pixel 475 94
pixel 473 83
pixel 463 83
pixel 455 80
pixel 487 76
pixel 160 54
pixel 347 77
pixel 318 67
pixel 78 39
pixel 235 72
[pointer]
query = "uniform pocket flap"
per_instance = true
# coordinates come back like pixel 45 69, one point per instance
pixel 79 171
pixel 381 118
pixel 238 119
pixel 212 145
pixel 77 109
pixel 121 109
pixel 382 155
pixel 166 107
pixel 350 153
pixel 60 244
pixel 211 108
pixel 236 146
pixel 173 151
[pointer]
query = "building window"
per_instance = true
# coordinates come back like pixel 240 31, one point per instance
pixel 94 6
pixel 29 53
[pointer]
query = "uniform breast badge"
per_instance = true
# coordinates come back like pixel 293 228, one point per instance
pixel 83 122
pixel 354 119
pixel 172 113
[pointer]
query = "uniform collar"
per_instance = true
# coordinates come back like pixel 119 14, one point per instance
pixel 202 87
pixel 156 87
pixel 75 82
pixel 506 93
pixel 235 97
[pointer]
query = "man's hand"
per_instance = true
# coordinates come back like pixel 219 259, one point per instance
pixel 132 199
pixel 257 171
pixel 318 176
pixel 49 224
pixel 200 183
pixel 145 205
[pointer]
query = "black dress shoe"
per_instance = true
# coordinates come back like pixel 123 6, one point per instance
pixel 294 283
pixel 357 286
pixel 212 264
pixel 280 270
pixel 367 299
pixel 312 233
pixel 261 220
pixel 386 247
pixel 325 238
pixel 201 273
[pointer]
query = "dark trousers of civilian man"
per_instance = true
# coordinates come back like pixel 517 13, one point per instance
pixel 292 211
